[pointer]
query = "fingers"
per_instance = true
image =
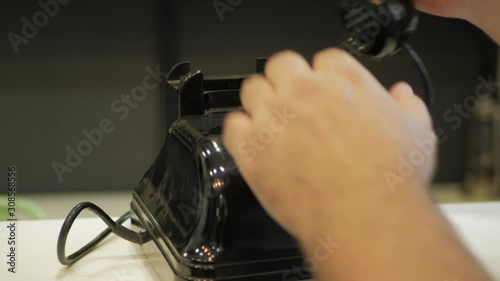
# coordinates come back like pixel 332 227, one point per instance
pixel 237 127
pixel 411 103
pixel 335 61
pixel 332 61
pixel 283 68
pixel 256 96
pixel 343 71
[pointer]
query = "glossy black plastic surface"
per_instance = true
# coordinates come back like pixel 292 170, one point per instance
pixel 201 214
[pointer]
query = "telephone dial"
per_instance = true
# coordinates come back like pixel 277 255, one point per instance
pixel 192 212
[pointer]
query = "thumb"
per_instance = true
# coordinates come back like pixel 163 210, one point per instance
pixel 411 103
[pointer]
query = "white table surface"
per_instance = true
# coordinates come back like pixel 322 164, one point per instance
pixel 119 260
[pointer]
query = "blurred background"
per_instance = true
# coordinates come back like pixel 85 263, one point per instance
pixel 65 69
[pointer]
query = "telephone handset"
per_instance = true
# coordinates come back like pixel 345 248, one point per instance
pixel 377 28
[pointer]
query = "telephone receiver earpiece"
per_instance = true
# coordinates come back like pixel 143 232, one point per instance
pixel 377 29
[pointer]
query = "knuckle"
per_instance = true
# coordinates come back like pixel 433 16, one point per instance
pixel 283 57
pixel 285 54
pixel 252 84
pixel 249 83
pixel 305 85
pixel 336 55
pixel 227 122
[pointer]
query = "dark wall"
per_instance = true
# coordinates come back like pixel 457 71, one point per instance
pixel 65 79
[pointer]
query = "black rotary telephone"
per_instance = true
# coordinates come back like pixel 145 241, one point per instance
pixel 192 212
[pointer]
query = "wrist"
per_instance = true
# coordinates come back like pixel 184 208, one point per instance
pixel 363 213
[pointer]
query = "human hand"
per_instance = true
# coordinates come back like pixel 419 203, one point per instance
pixel 314 142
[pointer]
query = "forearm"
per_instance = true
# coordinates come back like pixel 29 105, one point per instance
pixel 486 15
pixel 482 13
pixel 397 236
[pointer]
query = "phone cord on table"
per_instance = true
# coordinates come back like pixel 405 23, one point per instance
pixel 113 227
